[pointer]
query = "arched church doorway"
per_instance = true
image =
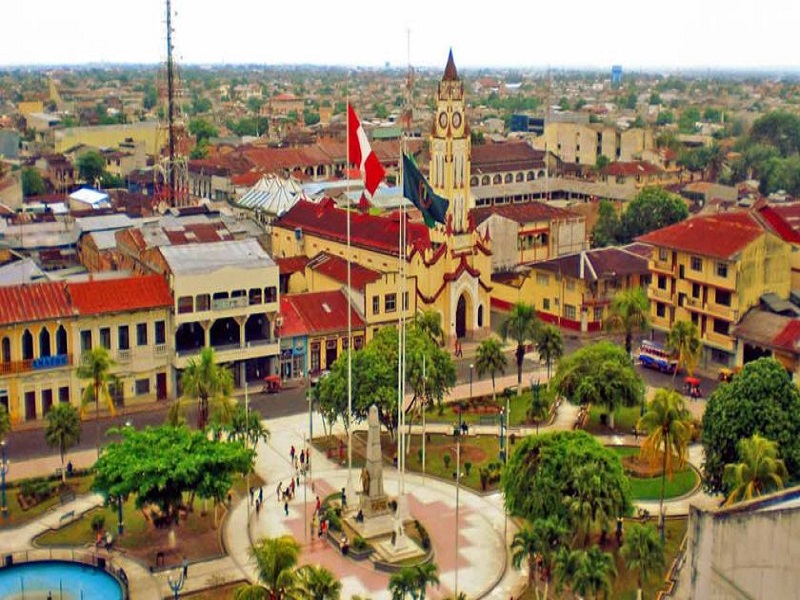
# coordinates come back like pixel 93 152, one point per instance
pixel 461 316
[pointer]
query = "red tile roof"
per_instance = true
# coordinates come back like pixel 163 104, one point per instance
pixel 291 264
pixel 323 312
pixel 505 156
pixel 789 337
pixel 783 220
pixel 120 295
pixel 33 302
pixel 630 169
pixel 366 231
pixel 335 267
pixel 525 212
pixel 722 235
pixel 292 325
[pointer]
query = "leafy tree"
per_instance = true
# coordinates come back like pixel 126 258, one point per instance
pixel 276 559
pixel 594 573
pixel 550 346
pixel 254 104
pixel 159 464
pixel 245 426
pixel 600 373
pixel 684 341
pixel 380 110
pixel 150 96
pixel 759 472
pixel 208 382
pixel 430 322
pixel 110 181
pixel 778 129
pixel 96 366
pixel 200 104
pixel 521 325
pixel 310 117
pixel 761 399
pixel 607 228
pixel 652 208
pixel 317 583
pixel 32 182
pixel 202 130
pixel 664 117
pixel 199 151
pixel 490 359
pixel 601 163
pixel 642 553
pixel 628 313
pixel 63 431
pixel 426 574
pixel 543 473
pixel 5 422
pixel 402 583
pixel 668 425
pixel 542 540
pixel 687 122
pixel 91 166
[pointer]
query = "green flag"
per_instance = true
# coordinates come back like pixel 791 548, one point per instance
pixel 417 189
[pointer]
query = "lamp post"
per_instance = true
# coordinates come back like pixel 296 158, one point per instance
pixel 120 524
pixel 458 478
pixel 3 472
pixel 176 585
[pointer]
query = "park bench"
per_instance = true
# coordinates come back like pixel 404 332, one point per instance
pixel 70 514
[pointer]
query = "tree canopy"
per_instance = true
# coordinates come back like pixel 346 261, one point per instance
pixel 91 166
pixel 32 182
pixel 761 399
pixel 607 228
pixel 159 464
pixel 651 209
pixel 547 472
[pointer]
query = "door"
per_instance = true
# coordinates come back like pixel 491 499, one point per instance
pixel 461 317
pixel 47 401
pixel 161 386
pixel 30 406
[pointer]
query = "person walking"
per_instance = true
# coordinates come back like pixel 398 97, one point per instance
pixel 286 508
pixel 279 489
pixel 261 494
pixel 252 492
pixel 318 506
pixel 291 453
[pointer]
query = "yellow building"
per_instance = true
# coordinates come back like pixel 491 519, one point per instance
pixel 582 144
pixel 710 270
pixel 112 136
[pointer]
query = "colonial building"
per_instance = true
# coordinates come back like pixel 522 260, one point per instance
pixel 581 144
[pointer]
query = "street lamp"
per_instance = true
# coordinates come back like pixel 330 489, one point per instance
pixel 471 366
pixel 3 472
pixel 176 585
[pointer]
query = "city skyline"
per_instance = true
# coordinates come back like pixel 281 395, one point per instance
pixel 709 35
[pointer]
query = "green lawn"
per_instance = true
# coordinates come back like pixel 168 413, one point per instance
pixel 624 419
pixel 649 488
pixel 17 516
pixel 518 406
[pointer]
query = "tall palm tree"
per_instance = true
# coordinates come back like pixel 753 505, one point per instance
pixel 209 382
pixel 246 426
pixel 628 313
pixel 683 340
pixel 430 322
pixel 540 541
pixel 276 559
pixel 490 359
pixel 317 583
pixel 403 582
pixel 668 425
pixel 565 566
pixel 63 431
pixel 427 574
pixel 642 552
pixel 96 366
pixel 596 570
pixel 521 325
pixel 550 346
pixel 760 472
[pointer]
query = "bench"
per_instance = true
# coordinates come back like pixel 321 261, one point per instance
pixel 70 514
pixel 67 496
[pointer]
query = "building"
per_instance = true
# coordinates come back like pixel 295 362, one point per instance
pixel 765 333
pixel 112 136
pixel 226 297
pixel 710 270
pixel 582 144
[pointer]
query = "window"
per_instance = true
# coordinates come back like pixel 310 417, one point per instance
pixel 542 279
pixel 141 334
pixel 696 319
pixel 6 351
pixel 720 356
pixel 546 304
pixel 63 394
pixel 696 263
pixel 662 254
pixel 86 340
pixel 142 387
pixel 598 313
pixel 345 343
pixel 270 294
pixel 238 293
pixel 569 312
pixel 44 342
pixel 662 282
pixel 161 332
pixel 390 303
pixel 203 302
pixel 405 300
pixel 123 337
pixel 27 345
pixel 721 327
pixel 185 304
pixel 61 340
pixel 661 310
pixel 722 270
pixel 358 342
pixel 695 290
pixel 376 305
pixel 255 296
pixel 105 337
pixel 722 297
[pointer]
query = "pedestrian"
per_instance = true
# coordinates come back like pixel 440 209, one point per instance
pixel 324 526
pixel 279 490
pixel 261 494
pixel 344 499
pixel 185 568
pixel 302 457
pixel 318 506
pixel 286 507
pixel 230 499
pixel 291 454
pixel 291 487
pixel 252 491
pixel 297 476
pixel 258 507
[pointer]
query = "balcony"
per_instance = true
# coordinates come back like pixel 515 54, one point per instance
pixel 229 303
pixel 659 294
pixel 695 303
pixel 42 363
pixel 123 356
pixel 160 350
pixel 663 266
pixel 722 312
pixel 718 340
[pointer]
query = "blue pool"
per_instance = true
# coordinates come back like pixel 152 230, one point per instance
pixel 64 580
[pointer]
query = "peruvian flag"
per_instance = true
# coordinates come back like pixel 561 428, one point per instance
pixel 361 154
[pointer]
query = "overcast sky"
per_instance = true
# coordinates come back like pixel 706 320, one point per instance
pixel 637 34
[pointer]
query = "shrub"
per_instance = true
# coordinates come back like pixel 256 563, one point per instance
pixel 484 476
pixel 446 458
pixel 98 522
pixel 467 467
pixel 334 522
pixel 359 543
pixel 419 455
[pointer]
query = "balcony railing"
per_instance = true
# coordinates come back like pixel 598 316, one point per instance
pixel 229 303
pixel 664 266
pixel 123 356
pixel 723 312
pixel 665 295
pixel 42 363
pixel 160 350
pixel 695 303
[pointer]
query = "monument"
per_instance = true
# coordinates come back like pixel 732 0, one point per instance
pixel 373 501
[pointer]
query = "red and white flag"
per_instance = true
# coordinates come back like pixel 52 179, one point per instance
pixel 361 153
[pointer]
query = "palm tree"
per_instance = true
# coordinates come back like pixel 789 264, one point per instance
pixel 629 311
pixel 684 340
pixel 525 546
pixel 63 431
pixel 403 582
pixel 521 325
pixel 668 425
pixel 760 472
pixel 317 583
pixel 430 322
pixel 246 426
pixel 550 346
pixel 207 381
pixel 541 541
pixel 565 566
pixel 490 359
pixel 275 559
pixel 642 552
pixel 596 570
pixel 427 574
pixel 96 366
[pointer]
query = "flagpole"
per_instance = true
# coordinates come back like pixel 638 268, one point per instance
pixel 349 333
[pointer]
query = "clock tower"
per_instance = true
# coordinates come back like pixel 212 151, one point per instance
pixel 450 148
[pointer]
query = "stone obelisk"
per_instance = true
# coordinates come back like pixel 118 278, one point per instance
pixel 373 500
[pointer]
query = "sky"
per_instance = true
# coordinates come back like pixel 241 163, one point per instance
pixel 637 34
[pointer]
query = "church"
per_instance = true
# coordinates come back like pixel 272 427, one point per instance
pixel 447 269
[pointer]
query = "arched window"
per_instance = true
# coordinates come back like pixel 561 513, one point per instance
pixel 480 315
pixel 498 178
pixel 520 176
pixel 531 176
pixel 27 345
pixel 6 350
pixel 44 342
pixel 486 180
pixel 473 181
pixel 509 178
pixel 61 340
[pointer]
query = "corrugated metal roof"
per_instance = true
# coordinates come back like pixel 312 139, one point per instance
pixel 206 258
pixel 323 312
pixel 33 302
pixel 120 295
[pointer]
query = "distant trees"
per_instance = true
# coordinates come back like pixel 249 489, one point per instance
pixel 490 359
pixel 32 182
pixel 91 166
pixel 651 209
pixel 607 228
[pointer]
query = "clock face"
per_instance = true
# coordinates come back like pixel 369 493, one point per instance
pixel 442 119
pixel 456 120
